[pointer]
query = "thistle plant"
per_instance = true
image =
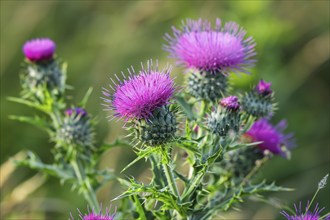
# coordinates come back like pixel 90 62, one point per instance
pixel 225 135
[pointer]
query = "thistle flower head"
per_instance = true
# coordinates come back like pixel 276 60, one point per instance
pixel 230 103
pixel 272 137
pixel 305 214
pixel 140 94
pixel 223 48
pixel 39 49
pixel 263 88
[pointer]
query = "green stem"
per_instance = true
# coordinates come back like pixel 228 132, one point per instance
pixel 254 170
pixel 84 182
pixel 170 180
pixel 309 205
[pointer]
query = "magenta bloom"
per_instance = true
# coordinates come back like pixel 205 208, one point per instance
pixel 139 95
pixel 272 137
pixel 306 214
pixel 230 103
pixel 263 88
pixel 223 49
pixel 40 49
pixel 96 216
pixel 77 111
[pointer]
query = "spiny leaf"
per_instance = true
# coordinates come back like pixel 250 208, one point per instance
pixel 43 108
pixel 35 163
pixel 36 121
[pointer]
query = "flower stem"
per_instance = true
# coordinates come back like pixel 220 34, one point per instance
pixel 309 205
pixel 84 182
pixel 170 180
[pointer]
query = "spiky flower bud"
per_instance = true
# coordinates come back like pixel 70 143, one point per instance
pixel 225 118
pixel 76 129
pixel 207 86
pixel 237 164
pixel 259 102
pixel 41 70
pixel 158 129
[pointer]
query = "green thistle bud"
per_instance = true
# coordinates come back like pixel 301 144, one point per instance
pixel 158 129
pixel 259 103
pixel 239 163
pixel 207 86
pixel 225 118
pixel 76 129
pixel 37 76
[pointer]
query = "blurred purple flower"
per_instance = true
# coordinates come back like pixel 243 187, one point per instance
pixel 223 49
pixel 39 49
pixel 230 103
pixel 272 137
pixel 77 111
pixel 139 95
pixel 306 214
pixel 263 88
pixel 91 215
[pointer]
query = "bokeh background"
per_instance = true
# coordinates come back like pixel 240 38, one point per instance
pixel 100 38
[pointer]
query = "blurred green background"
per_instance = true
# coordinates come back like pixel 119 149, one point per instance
pixel 100 38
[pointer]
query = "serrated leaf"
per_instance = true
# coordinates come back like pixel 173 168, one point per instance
pixel 35 163
pixel 39 107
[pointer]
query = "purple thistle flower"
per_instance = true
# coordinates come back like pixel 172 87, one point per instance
pixel 77 111
pixel 37 50
pixel 139 95
pixel 306 214
pixel 223 49
pixel 272 137
pixel 263 88
pixel 91 215
pixel 230 103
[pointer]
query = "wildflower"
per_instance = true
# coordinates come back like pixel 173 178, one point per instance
pixel 259 102
pixel 272 137
pixel 40 49
pixel 143 99
pixel 91 215
pixel 223 49
pixel 306 214
pixel 139 95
